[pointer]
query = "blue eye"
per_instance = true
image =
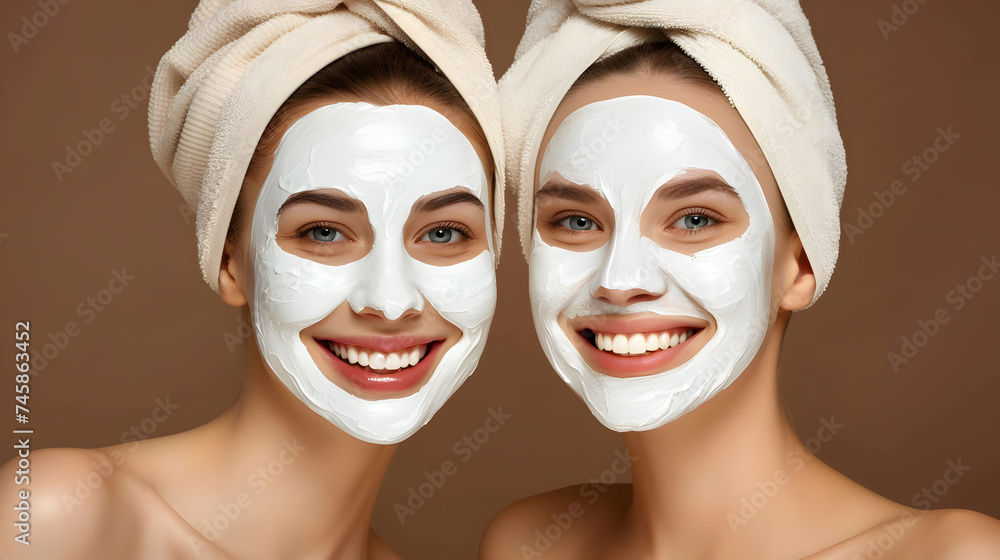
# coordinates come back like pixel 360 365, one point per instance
pixel 443 235
pixel 693 221
pixel 325 234
pixel 578 223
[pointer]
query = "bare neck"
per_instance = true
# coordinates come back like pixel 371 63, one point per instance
pixel 731 479
pixel 316 485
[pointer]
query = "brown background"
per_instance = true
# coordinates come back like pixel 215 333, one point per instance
pixel 166 334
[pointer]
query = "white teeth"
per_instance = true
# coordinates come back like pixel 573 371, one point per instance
pixel 620 344
pixel 392 361
pixel 388 361
pixel 638 343
pixel 652 343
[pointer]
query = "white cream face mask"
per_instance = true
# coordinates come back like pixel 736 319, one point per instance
pixel 626 149
pixel 387 158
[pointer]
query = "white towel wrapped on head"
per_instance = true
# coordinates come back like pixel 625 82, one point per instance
pixel 216 90
pixel 762 54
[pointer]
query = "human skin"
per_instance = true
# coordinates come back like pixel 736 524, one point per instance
pixel 158 494
pixel 690 475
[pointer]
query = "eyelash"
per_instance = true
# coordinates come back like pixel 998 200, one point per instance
pixel 554 222
pixel 460 228
pixel 304 232
pixel 715 216
pixel 698 211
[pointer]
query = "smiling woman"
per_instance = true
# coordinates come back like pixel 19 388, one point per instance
pixel 657 207
pixel 667 167
pixel 373 238
pixel 344 184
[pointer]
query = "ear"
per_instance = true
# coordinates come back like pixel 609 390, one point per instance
pixel 230 281
pixel 799 279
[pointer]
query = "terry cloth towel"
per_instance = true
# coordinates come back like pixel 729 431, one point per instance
pixel 216 89
pixel 762 54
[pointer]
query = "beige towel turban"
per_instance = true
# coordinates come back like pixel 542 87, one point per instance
pixel 761 52
pixel 215 91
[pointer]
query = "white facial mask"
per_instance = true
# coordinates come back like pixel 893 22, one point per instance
pixel 625 149
pixel 387 158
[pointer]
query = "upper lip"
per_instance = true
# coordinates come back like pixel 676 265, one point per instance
pixel 625 324
pixel 384 343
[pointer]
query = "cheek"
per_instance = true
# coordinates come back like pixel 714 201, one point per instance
pixel 242 260
pixel 556 276
pixel 464 294
pixel 719 277
pixel 784 269
pixel 293 292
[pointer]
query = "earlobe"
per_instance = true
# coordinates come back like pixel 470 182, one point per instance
pixel 230 287
pixel 800 279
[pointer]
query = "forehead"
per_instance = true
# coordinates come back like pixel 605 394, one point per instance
pixel 709 102
pixel 642 139
pixel 376 152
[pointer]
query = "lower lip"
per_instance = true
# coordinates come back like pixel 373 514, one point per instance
pixel 625 366
pixel 389 382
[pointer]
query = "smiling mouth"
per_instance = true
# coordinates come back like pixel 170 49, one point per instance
pixel 377 361
pixel 638 344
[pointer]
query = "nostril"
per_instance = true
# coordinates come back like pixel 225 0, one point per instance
pixel 643 297
pixel 630 276
pixel 623 298
pixel 391 313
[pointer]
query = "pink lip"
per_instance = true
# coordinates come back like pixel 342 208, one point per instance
pixel 616 365
pixel 624 324
pixel 389 382
pixel 383 343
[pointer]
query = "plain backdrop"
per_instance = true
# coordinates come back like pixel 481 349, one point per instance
pixel 63 236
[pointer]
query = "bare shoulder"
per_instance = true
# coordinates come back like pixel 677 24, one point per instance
pixel 571 523
pixel 379 549
pixel 71 501
pixel 958 534
pixel 952 534
pixel 85 504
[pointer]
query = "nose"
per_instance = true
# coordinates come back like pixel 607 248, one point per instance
pixel 384 316
pixel 624 298
pixel 628 275
pixel 387 291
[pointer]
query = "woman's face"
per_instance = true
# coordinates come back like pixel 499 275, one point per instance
pixel 374 283
pixel 652 251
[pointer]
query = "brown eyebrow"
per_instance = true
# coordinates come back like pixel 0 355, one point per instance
pixel 336 201
pixel 439 202
pixel 683 187
pixel 568 192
